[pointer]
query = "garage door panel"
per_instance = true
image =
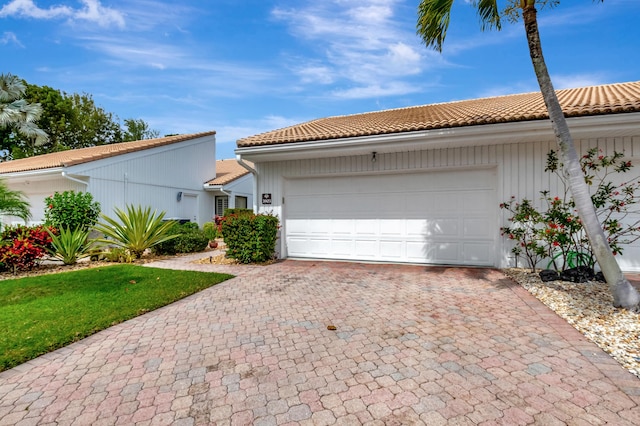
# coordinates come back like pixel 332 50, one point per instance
pixel 366 249
pixel 477 227
pixel 443 227
pixel 438 217
pixel 391 249
pixel 342 247
pixel 342 226
pixel 393 227
pixel 476 253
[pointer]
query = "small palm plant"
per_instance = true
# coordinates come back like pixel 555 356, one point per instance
pixel 70 245
pixel 137 229
pixel 13 203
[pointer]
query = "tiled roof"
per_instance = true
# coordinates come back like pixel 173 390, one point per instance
pixel 227 171
pixel 85 155
pixel 585 101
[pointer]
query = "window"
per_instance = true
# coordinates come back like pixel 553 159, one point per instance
pixel 241 202
pixel 222 203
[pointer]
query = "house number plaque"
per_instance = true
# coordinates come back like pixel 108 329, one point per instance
pixel 266 199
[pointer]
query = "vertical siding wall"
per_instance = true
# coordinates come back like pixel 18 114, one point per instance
pixel 520 170
pixel 154 177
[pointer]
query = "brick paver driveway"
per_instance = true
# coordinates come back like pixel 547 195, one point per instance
pixel 412 345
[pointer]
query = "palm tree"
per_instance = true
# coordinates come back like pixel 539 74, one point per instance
pixel 433 21
pixel 12 203
pixel 16 113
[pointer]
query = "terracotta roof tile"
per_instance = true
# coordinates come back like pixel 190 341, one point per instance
pixel 585 101
pixel 227 171
pixel 85 155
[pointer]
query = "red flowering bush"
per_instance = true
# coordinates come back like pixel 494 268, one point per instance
pixel 22 247
pixel 556 232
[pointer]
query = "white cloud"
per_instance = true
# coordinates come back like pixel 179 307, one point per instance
pixel 571 81
pixel 373 91
pixel 361 43
pixel 28 9
pixel 9 37
pixel 92 11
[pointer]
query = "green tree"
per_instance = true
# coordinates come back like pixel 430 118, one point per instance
pixel 433 21
pixel 137 130
pixel 92 125
pixel 17 115
pixel 71 122
pixel 12 203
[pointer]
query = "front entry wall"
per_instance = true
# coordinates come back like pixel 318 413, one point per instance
pixel 445 217
pixel 518 168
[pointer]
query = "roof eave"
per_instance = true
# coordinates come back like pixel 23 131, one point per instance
pixel 455 137
pixel 33 173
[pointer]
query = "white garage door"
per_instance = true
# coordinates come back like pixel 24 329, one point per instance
pixel 438 217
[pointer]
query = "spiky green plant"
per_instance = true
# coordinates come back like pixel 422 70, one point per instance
pixel 70 245
pixel 137 229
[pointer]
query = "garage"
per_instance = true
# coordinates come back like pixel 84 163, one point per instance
pixel 445 217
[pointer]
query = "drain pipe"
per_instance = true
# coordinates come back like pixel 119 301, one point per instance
pixel 254 172
pixel 73 179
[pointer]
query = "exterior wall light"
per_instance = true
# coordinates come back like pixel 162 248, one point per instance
pixel 374 157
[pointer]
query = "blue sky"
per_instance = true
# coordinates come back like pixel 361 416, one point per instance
pixel 243 67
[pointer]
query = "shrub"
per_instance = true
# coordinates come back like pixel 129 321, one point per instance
pixel 210 230
pixel 556 232
pixel 22 247
pixel 117 255
pixel 189 239
pixel 70 245
pixel 70 209
pixel 191 242
pixel 137 230
pixel 238 212
pixel 250 238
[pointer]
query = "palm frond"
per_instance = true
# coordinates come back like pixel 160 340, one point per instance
pixel 433 22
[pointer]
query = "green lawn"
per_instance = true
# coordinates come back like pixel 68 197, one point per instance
pixel 46 312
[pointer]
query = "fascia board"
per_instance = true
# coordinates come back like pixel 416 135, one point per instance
pixel 34 174
pixel 481 135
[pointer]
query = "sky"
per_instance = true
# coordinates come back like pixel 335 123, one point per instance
pixel 243 67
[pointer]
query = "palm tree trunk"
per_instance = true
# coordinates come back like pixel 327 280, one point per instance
pixel 624 294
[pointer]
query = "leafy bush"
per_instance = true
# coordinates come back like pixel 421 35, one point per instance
pixel 556 232
pixel 190 239
pixel 210 230
pixel 191 242
pixel 70 209
pixel 250 238
pixel 238 212
pixel 70 245
pixel 22 247
pixel 137 230
pixel 117 255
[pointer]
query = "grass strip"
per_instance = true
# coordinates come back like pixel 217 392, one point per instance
pixel 43 313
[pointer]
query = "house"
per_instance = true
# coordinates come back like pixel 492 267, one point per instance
pixel 171 174
pixel 423 184
pixel 232 186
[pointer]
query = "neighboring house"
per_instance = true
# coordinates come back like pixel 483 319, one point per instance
pixel 170 174
pixel 232 186
pixel 423 184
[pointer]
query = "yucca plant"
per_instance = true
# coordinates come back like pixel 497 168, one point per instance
pixel 70 245
pixel 137 229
